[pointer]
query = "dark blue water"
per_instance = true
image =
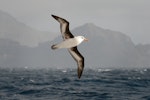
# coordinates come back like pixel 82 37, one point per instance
pixel 97 84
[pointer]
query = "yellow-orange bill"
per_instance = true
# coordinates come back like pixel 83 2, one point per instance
pixel 85 39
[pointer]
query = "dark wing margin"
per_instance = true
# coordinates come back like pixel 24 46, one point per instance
pixel 64 27
pixel 78 58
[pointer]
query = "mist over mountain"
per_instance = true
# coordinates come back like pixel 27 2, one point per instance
pixel 22 46
pixel 105 49
pixel 12 29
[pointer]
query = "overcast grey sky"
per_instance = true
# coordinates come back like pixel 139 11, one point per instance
pixel 128 16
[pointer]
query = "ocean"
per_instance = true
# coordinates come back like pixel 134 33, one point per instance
pixel 63 84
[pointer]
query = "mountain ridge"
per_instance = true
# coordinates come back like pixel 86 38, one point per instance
pixel 105 48
pixel 12 29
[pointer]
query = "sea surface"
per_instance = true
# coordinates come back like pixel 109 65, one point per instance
pixel 63 84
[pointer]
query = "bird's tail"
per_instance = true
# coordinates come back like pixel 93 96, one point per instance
pixel 54 47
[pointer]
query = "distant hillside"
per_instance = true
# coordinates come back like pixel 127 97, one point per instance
pixel 12 29
pixel 105 48
pixel 110 48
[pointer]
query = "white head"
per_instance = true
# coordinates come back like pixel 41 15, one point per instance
pixel 81 38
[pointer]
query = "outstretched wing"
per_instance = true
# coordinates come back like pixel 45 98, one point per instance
pixel 78 58
pixel 64 27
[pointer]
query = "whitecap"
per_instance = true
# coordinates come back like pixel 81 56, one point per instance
pixel 145 70
pixel 104 70
pixel 64 71
pixel 32 80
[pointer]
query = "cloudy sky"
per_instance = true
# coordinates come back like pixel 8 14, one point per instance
pixel 131 17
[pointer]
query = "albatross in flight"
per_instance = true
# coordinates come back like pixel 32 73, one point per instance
pixel 70 42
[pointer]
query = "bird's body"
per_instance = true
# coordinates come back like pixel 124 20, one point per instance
pixel 70 42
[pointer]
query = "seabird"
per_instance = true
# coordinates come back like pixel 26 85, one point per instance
pixel 70 42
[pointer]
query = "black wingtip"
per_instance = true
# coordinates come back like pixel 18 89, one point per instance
pixel 54 16
pixel 79 76
pixel 80 73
